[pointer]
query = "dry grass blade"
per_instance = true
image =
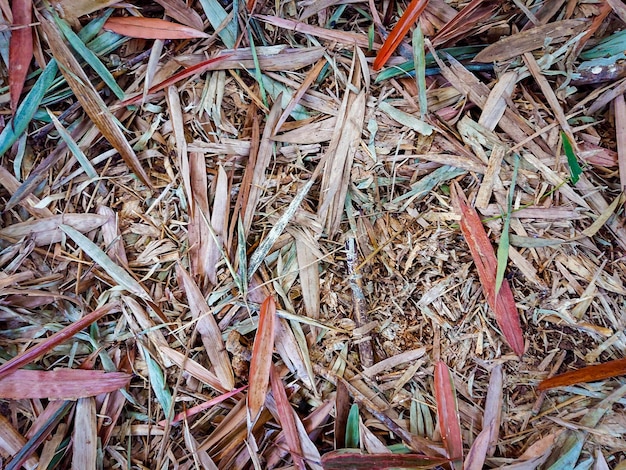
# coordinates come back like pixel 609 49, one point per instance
pixel 12 441
pixel 20 48
pixel 151 28
pixel 47 230
pixel 85 437
pixel 586 374
pixel 502 303
pixel 448 413
pixel 208 330
pixel 261 361
pixel 202 407
pixel 90 99
pixel 60 384
pixel 182 13
pixel 354 459
pixel 66 333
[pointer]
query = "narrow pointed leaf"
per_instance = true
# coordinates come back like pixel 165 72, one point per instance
pixel 574 167
pixel 448 412
pixel 59 337
pixel 119 274
pixel 352 428
pixel 503 246
pixel 20 48
pixel 412 12
pixel 60 384
pixel 151 28
pixel 203 406
pixel 261 360
pixel 354 459
pixel 586 374
pixel 502 304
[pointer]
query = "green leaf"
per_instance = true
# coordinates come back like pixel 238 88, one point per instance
pixel 88 56
pixel 258 75
pixel 157 382
pixel 352 428
pixel 74 148
pixel 216 16
pixel 574 166
pixel 503 247
pixel 25 112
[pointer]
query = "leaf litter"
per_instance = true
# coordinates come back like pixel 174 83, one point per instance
pixel 250 234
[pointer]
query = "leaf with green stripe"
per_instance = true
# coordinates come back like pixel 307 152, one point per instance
pixel 503 247
pixel 574 167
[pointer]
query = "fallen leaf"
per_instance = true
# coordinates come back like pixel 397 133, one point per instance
pixel 20 48
pixel 448 413
pixel 151 28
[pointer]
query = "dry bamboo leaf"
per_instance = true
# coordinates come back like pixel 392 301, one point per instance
pixel 463 21
pixel 112 236
pixel 20 48
pixel 66 333
pixel 182 13
pixel 477 454
pixel 74 9
pixel 354 459
pixel 308 264
pixel 620 137
pixel 11 442
pixel 141 324
pixel 202 407
pixel 193 368
pixel 491 174
pixel 502 302
pixel 493 407
pixel 150 28
pixel 531 39
pixel 448 413
pixel 60 384
pixel 30 202
pixel 84 437
pixel 287 418
pixel 219 223
pixel 586 374
pixel 261 361
pixel 496 103
pixel 208 329
pixel 46 231
pixel 90 100
pixel 199 236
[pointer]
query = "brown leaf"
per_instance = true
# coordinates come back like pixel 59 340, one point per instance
pixel 90 100
pixel 261 360
pixel 448 412
pixel 354 459
pixel 502 304
pixel 60 384
pixel 586 374
pixel 151 28
pixel 20 48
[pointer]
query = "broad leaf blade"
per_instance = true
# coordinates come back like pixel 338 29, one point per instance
pixel 448 412
pixel 151 28
pixel 20 48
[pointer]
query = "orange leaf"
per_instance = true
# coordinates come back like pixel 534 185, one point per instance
pixel 151 28
pixel 503 304
pixel 287 421
pixel 448 412
pixel 261 360
pixel 586 374
pixel 20 48
pixel 60 336
pixel 60 384
pixel 195 69
pixel 415 8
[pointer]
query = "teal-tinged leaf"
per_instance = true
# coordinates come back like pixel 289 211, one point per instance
pixel 574 167
pixel 119 274
pixel 370 37
pixel 158 384
pixel 419 59
pixel 107 42
pixel 88 56
pixel 503 247
pixel 25 112
pixel 258 75
pixel 91 29
pixel 277 89
pixel 82 159
pixel 609 46
pixel 572 446
pixel 352 428
pixel 216 16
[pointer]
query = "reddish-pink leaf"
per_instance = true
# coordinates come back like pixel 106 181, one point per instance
pixel 189 71
pixel 415 8
pixel 502 304
pixel 151 28
pixel 261 360
pixel 354 459
pixel 20 48
pixel 203 406
pixel 54 340
pixel 287 420
pixel 448 413
pixel 60 384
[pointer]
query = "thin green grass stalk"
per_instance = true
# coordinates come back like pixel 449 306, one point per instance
pixel 503 247
pixel 258 75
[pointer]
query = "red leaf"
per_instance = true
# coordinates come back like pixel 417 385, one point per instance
pixel 261 360
pixel 486 263
pixel 354 459
pixel 195 69
pixel 20 48
pixel 60 384
pixel 54 340
pixel 448 412
pixel 287 420
pixel 151 28
pixel 415 8
pixel 586 374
